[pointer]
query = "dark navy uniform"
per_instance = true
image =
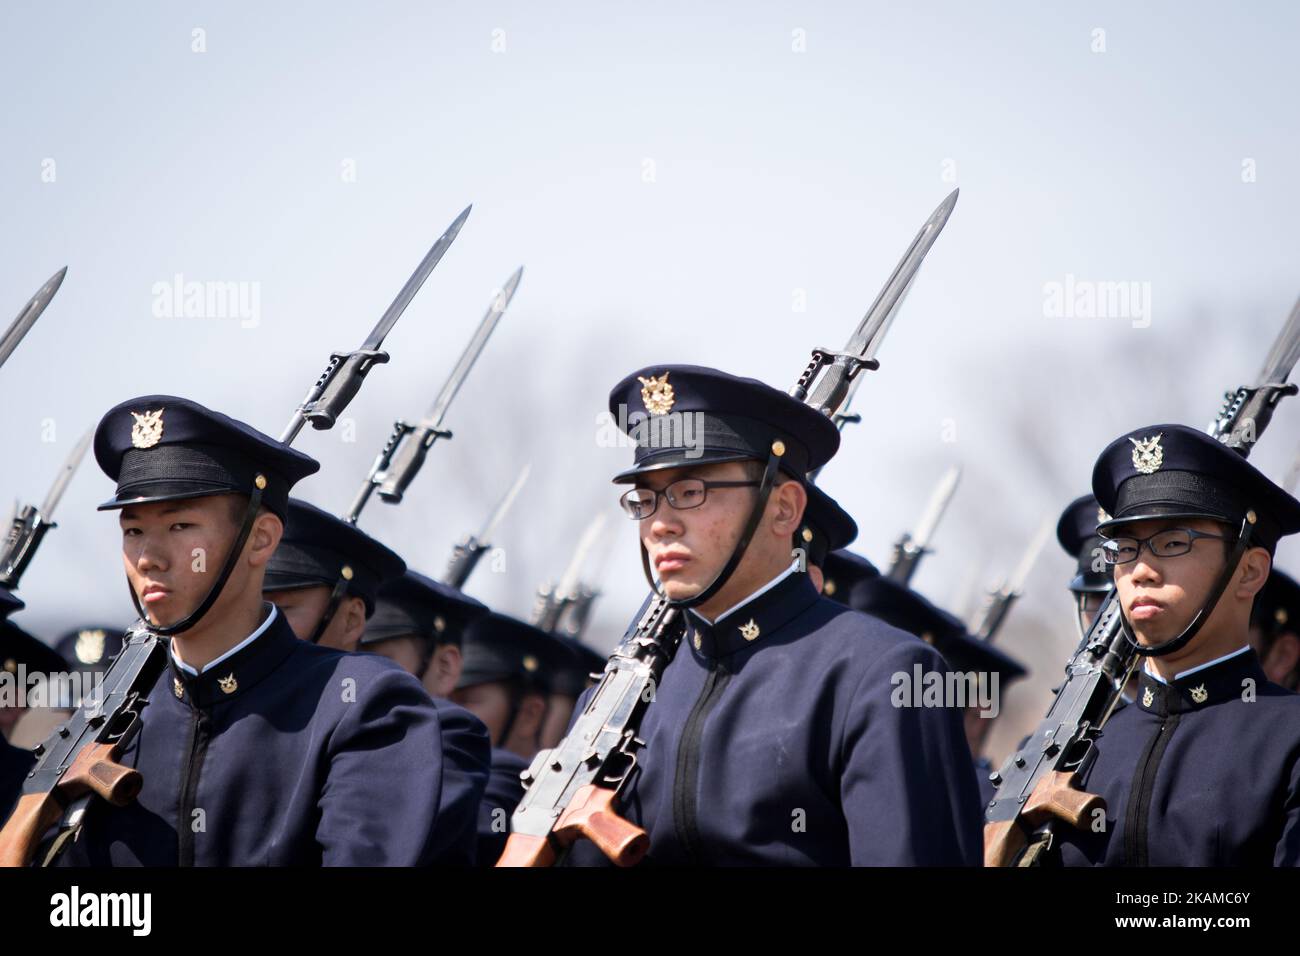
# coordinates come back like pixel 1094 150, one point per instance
pixel 21 654
pixel 280 752
pixel 1277 613
pixel 774 737
pixel 1205 770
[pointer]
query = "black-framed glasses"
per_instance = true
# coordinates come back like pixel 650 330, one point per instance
pixel 1169 543
pixel 681 494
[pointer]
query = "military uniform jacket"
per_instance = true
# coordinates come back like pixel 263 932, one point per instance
pixel 1197 773
pixel 504 791
pixel 288 753
pixel 772 740
pixel 14 764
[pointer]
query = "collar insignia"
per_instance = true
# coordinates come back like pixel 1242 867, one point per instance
pixel 147 430
pixel 656 393
pixel 1148 456
pixel 1200 694
pixel 1148 697
pixel 178 688
pixel 228 684
pixel 749 631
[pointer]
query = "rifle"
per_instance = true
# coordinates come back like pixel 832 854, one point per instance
pixel 572 789
pixel 1037 788
pixel 465 555
pixel 400 460
pixel 997 602
pixel 908 549
pixel 80 760
pixel 557 604
pixel 29 525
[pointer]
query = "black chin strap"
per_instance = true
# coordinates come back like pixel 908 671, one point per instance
pixel 250 514
pixel 751 525
pixel 1216 592
pixel 331 608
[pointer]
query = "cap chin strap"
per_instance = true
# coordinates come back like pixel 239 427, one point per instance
pixel 331 608
pixel 738 552
pixel 1216 592
pixel 236 549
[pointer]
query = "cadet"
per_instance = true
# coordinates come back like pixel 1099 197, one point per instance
pixel 21 655
pixel 772 738
pixel 256 748
pixel 419 623
pixel 1077 533
pixel 325 576
pixel 504 682
pixel 570 675
pixel 1275 629
pixel 1204 768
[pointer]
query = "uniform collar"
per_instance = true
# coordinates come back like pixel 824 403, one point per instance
pixel 237 670
pixel 762 613
pixel 1202 686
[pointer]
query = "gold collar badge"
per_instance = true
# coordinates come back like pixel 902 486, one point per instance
pixel 228 684
pixel 1148 456
pixel 178 688
pixel 749 631
pixel 656 393
pixel 1148 698
pixel 147 430
pixel 1200 695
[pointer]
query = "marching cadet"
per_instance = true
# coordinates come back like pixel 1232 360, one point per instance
pixel 904 608
pixel 21 654
pixel 1275 629
pixel 1077 533
pixel 256 748
pixel 772 738
pixel 325 576
pixel 419 623
pixel 570 675
pixel 1204 768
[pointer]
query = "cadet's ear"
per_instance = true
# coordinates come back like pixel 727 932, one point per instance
pixel 1284 655
pixel 264 538
pixel 443 673
pixel 786 507
pixel 1252 572
pixel 353 611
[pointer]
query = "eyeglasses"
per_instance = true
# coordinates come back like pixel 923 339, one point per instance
pixel 1169 543
pixel 682 494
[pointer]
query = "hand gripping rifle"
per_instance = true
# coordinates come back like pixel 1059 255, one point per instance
pixel 1038 786
pixel 572 788
pixel 79 761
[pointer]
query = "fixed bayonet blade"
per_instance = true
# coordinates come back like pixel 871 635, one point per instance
pixel 29 314
pixel 934 510
pixel 1021 574
pixel 485 328
pixel 494 519
pixel 65 475
pixel 404 297
pixel 1282 357
pixel 568 585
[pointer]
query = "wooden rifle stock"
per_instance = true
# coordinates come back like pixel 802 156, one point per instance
pixel 590 814
pixel 1055 797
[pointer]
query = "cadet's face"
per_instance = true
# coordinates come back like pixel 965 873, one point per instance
pixel 688 548
pixel 490 703
pixel 1161 595
pixel 301 607
pixel 173 550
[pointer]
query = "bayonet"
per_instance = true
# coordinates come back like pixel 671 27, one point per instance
pixel 466 554
pixel 342 378
pixel 28 526
pixel 29 314
pixel 554 600
pixel 909 548
pixel 998 601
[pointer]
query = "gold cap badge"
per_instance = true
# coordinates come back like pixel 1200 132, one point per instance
pixel 656 393
pixel 1200 694
pixel 228 684
pixel 147 430
pixel 1148 456
pixel 749 630
pixel 530 663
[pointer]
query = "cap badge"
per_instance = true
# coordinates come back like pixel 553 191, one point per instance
pixel 530 663
pixel 749 631
pixel 11 665
pixel 178 688
pixel 1200 694
pixel 656 393
pixel 1148 698
pixel 147 430
pixel 90 646
pixel 1148 456
pixel 228 684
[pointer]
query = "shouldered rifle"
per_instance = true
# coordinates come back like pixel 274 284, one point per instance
pixel 30 524
pixel 465 555
pixel 79 761
pixel 402 456
pixel 1037 788
pixel 909 548
pixel 556 601
pixel 573 787
pixel 341 380
pixel 997 602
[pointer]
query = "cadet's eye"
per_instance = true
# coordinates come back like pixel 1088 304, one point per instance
pixel 181 525
pixel 130 532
